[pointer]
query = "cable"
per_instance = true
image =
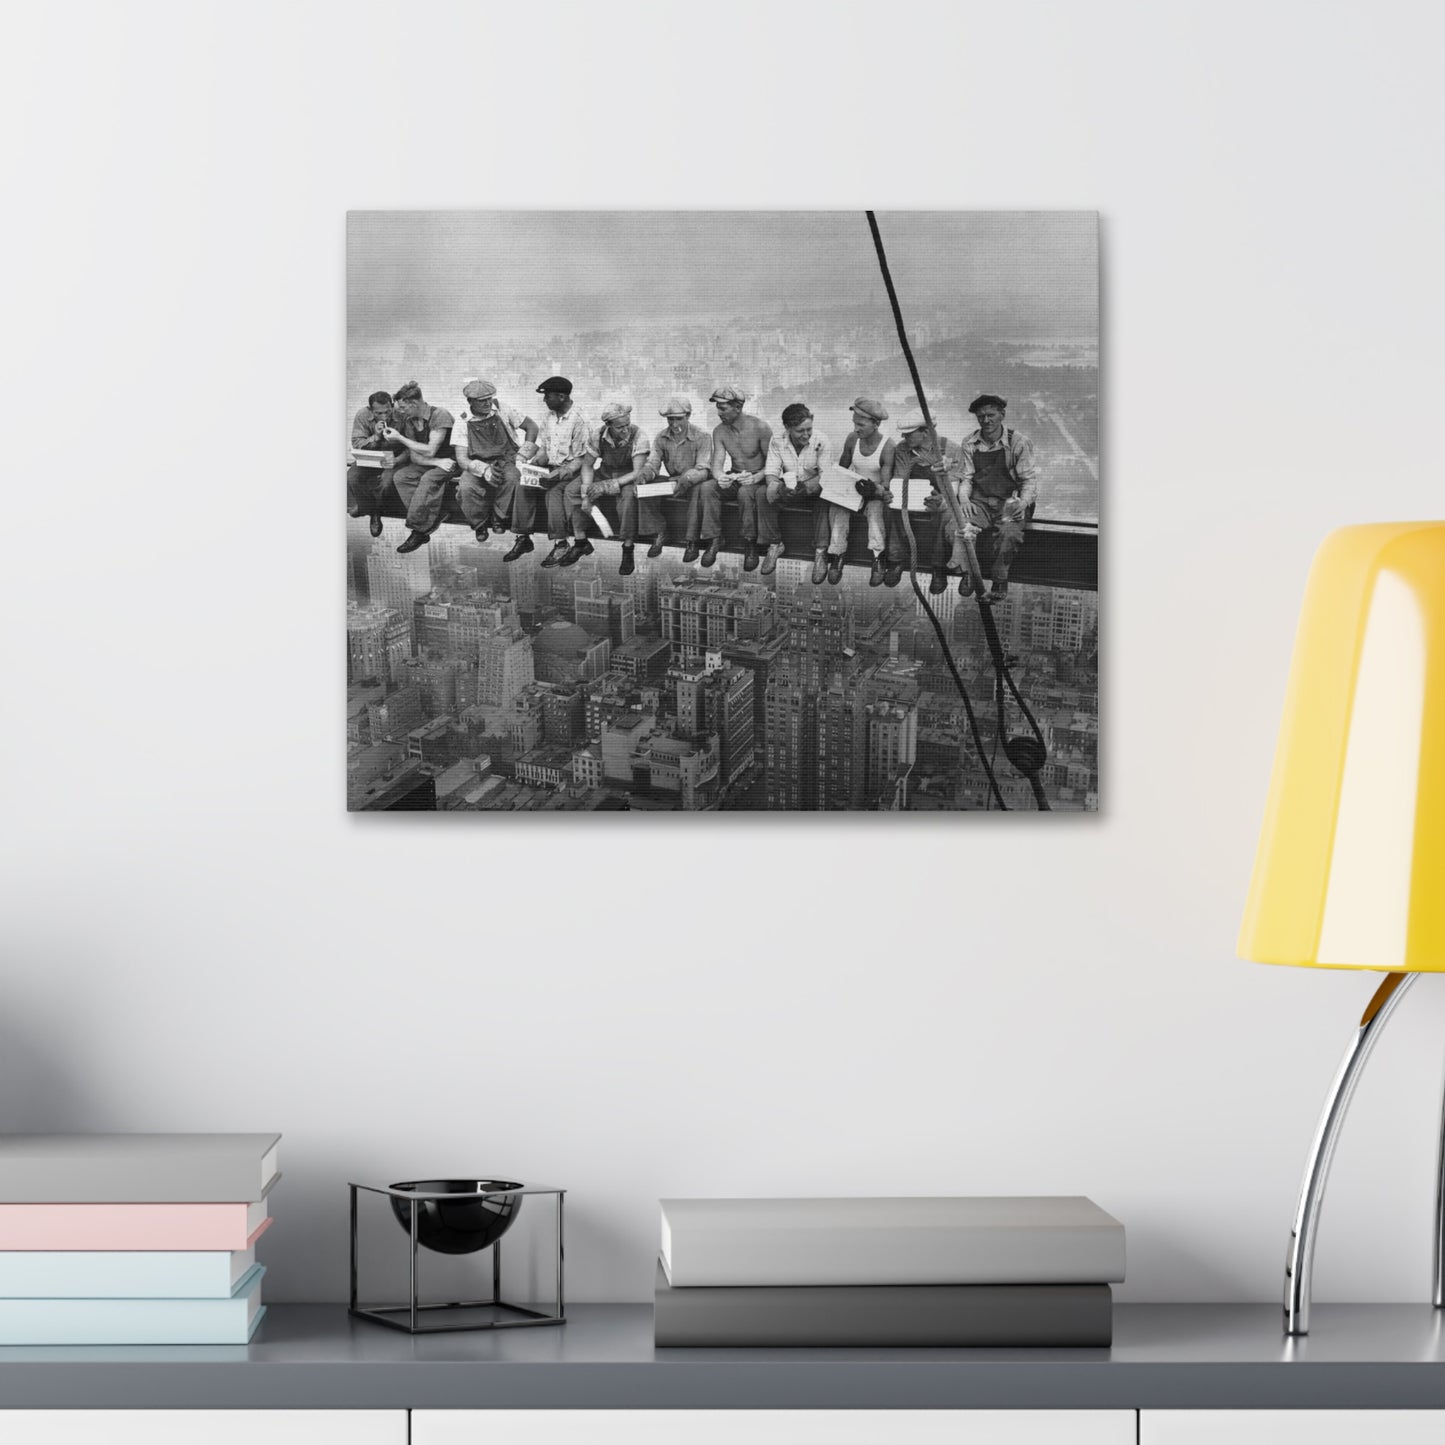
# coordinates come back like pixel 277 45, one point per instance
pixel 949 499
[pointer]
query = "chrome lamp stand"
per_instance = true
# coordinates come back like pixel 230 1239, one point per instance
pixel 1299 1266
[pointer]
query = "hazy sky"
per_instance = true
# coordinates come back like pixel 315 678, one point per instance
pixel 416 274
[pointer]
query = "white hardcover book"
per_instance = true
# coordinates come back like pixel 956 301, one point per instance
pixel 1007 1240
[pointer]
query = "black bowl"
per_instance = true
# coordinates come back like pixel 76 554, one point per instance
pixel 464 1223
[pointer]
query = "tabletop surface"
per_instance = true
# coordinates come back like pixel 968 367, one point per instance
pixel 1216 1356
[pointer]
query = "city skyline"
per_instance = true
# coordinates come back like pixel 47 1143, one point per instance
pixel 441 274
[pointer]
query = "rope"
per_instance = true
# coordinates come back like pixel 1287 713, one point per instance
pixel 948 497
pixel 1027 755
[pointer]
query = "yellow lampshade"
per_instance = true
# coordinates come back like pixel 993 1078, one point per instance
pixel 1350 871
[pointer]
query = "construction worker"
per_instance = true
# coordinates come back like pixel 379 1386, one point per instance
pixel 486 443
pixel 365 485
pixel 796 461
pixel 927 471
pixel 619 450
pixel 683 450
pixel 998 488
pixel 422 482
pixel 562 451
pixel 740 443
pixel 869 453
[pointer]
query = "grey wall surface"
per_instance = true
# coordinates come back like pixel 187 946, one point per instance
pixel 196 935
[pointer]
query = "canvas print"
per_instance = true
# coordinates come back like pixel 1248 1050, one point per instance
pixel 738 511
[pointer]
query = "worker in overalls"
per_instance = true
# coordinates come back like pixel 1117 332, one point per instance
pixel 619 450
pixel 998 486
pixel 487 443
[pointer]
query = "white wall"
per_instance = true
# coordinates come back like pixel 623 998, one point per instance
pixel 197 936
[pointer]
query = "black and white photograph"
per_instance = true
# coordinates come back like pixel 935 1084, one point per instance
pixel 722 511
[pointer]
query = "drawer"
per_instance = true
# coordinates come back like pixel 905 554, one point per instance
pixel 774 1427
pixel 1291 1427
pixel 202 1427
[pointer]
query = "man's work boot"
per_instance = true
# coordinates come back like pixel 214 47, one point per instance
pixel 519 548
pixel 835 569
pixel 997 591
pixel 966 585
pixel 710 556
pixel 415 541
pixel 627 566
pixel 579 549
pixel 750 556
pixel 893 574
pixel 376 524
pixel 690 552
pixel 559 550
pixel 656 549
pixel 938 582
pixel 820 567
pixel 770 562
pixel 875 577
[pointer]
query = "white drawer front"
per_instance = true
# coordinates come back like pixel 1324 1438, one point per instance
pixel 1292 1427
pixel 773 1427
pixel 202 1427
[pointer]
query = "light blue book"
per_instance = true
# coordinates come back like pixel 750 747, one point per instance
pixel 230 1321
pixel 122 1273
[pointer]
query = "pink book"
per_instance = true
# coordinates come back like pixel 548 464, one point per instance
pixel 132 1226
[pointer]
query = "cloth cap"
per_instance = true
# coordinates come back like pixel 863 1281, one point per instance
pixel 556 383
pixel 987 399
pixel 729 393
pixel 477 390
pixel 875 409
pixel 912 421
pixel 616 411
pixel 676 406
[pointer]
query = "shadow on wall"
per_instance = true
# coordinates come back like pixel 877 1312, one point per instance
pixel 38 1093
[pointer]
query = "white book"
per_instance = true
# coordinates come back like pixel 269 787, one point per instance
pixel 660 488
pixel 1004 1240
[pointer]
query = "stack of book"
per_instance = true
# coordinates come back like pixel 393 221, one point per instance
pixel 887 1272
pixel 132 1239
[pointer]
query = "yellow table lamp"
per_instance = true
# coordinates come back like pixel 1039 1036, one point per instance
pixel 1350 871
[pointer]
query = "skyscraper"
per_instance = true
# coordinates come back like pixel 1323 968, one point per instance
pixel 395 581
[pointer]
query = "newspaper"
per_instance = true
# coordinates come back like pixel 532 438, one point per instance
pixel 531 476
pixel 840 486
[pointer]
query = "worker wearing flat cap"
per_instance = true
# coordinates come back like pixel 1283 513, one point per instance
pixel 619 450
pixel 796 463
pixel 487 442
pixel 869 453
pixel 426 432
pixel 998 486
pixel 567 469
pixel 681 451
pixel 740 443
pixel 928 469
